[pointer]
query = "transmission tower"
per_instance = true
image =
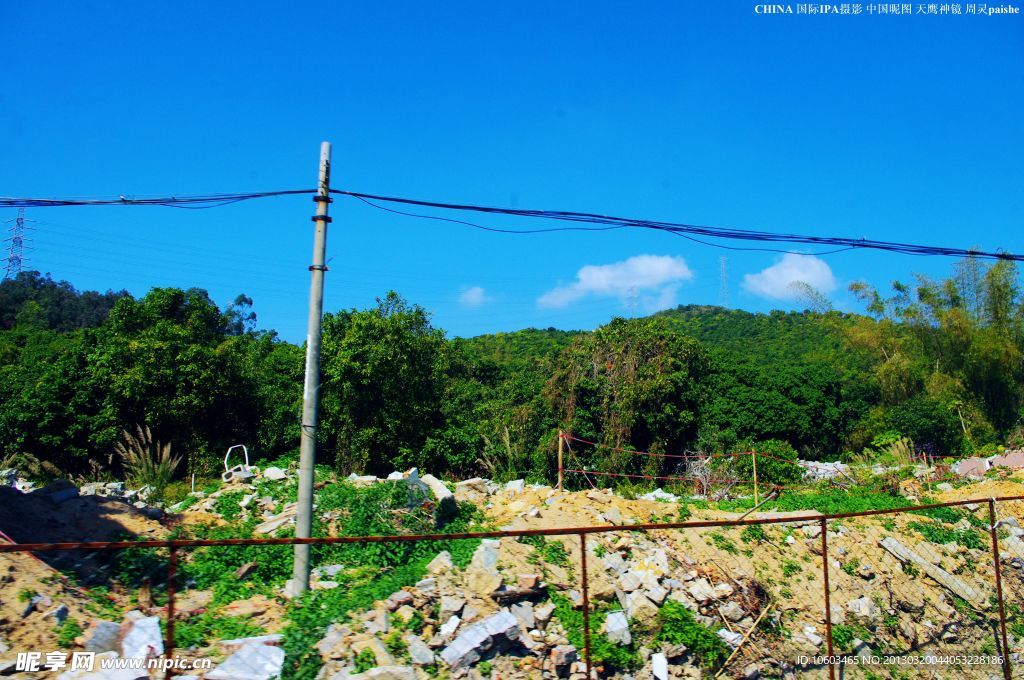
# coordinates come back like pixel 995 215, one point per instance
pixel 15 260
pixel 723 283
pixel 631 301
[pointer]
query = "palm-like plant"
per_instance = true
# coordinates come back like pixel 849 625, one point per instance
pixel 146 460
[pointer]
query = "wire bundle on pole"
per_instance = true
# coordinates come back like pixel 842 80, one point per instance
pixel 191 201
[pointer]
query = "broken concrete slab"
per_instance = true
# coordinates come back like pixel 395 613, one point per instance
pixel 1010 459
pixel 275 523
pixel 732 611
pixel 814 470
pixel 563 655
pixel 254 661
pixel 865 608
pixel 332 644
pixel 450 626
pixel 523 611
pixel 641 609
pixel 515 487
pixel 386 673
pixel 493 633
pixel 700 590
pixel 102 637
pixel 660 495
pixel 419 653
pixel 446 505
pixel 732 639
pixel 442 564
pixel 955 585
pixel 543 613
pixel 972 467
pixel 143 639
pixel 274 639
pixel 659 666
pixel 274 474
pixel 616 628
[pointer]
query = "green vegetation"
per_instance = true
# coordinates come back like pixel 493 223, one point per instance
pixel 776 463
pixel 790 568
pixel 933 366
pixel 679 627
pixel 197 631
pixel 843 636
pixel 602 652
pixel 67 632
pixel 937 366
pixel 723 542
pixel 937 533
pixel 547 551
pixel 365 660
pixel 754 533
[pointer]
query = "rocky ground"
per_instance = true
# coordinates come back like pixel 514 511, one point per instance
pixel 666 603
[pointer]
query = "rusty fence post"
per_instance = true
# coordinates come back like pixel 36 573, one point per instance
pixel 172 575
pixel 999 588
pixel 828 598
pixel 586 603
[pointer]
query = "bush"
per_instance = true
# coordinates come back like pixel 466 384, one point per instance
pixel 678 627
pixel 602 652
pixel 776 463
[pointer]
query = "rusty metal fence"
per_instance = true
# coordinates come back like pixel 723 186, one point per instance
pixel 833 584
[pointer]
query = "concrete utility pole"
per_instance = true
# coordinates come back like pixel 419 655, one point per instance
pixel 311 388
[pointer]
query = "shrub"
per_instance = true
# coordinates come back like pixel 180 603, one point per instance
pixel 678 627
pixel 753 534
pixel 602 652
pixel 936 533
pixel 67 632
pixel 197 631
pixel 547 551
pixel 776 463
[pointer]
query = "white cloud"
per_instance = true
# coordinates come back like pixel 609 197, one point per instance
pixel 474 297
pixel 658 276
pixel 777 281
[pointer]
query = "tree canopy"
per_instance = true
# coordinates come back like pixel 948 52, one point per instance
pixel 938 362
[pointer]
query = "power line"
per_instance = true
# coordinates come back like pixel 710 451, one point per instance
pixel 194 202
pixel 687 230
pixel 594 222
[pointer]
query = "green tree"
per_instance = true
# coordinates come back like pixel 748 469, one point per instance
pixel 383 382
pixel 632 384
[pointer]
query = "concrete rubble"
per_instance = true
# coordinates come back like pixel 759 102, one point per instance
pixel 493 634
pixel 975 468
pixel 952 583
pixel 501 607
pixel 253 661
pixel 817 471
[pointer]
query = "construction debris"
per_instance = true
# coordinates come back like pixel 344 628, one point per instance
pixel 939 575
pixel 493 634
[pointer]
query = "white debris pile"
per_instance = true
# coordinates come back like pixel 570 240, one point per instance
pixel 816 470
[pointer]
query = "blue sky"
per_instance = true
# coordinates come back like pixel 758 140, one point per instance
pixel 897 127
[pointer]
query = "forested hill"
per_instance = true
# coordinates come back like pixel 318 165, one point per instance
pixel 55 305
pixel 521 347
pixel 788 337
pixel 778 335
pixel 940 363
